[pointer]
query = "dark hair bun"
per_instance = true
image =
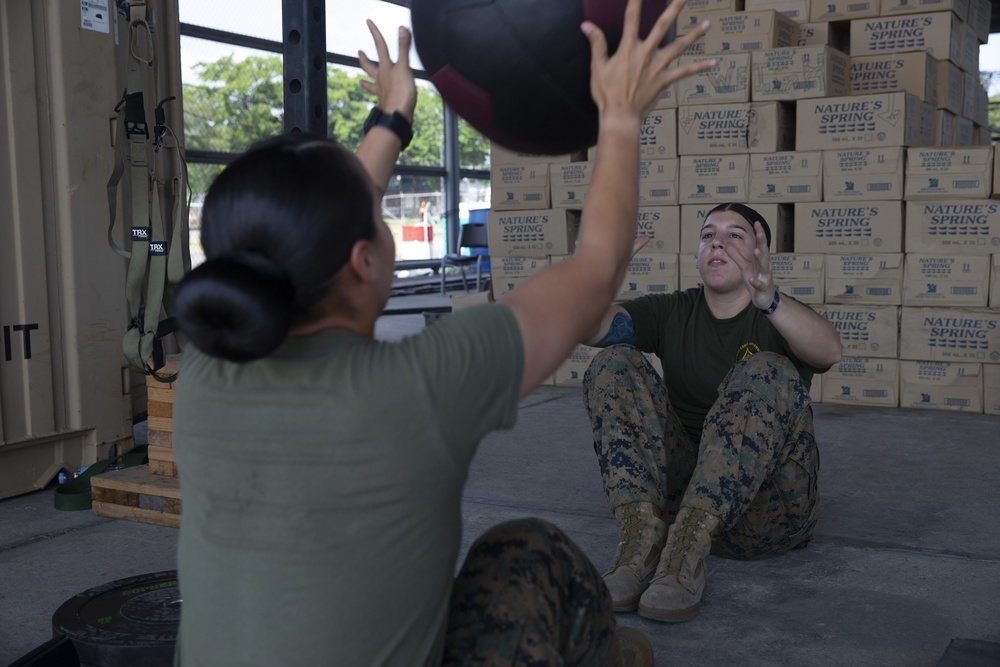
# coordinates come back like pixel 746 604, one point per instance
pixel 235 309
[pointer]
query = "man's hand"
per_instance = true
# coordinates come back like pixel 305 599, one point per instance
pixel 754 262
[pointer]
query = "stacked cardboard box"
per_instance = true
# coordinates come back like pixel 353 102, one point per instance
pixel 858 129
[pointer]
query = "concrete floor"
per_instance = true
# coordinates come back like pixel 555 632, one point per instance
pixel 906 556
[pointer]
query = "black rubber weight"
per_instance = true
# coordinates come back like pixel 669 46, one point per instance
pixel 126 623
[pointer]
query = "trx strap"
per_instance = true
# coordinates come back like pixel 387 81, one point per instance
pixel 153 260
pixel 76 494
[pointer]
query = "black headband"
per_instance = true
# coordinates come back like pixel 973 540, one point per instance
pixel 747 214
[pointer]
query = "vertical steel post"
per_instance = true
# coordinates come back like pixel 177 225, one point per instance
pixel 304 40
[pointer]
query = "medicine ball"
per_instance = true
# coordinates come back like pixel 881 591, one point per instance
pixel 519 70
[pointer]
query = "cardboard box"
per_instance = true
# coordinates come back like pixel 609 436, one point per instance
pixel 994 282
pixel 831 227
pixel 506 273
pixel 837 35
pixel 571 372
pixel 715 179
pixel 786 177
pixel 967 227
pixel 914 73
pixel 461 301
pixel 799 72
pixel 519 197
pixel 649 274
pixel 885 119
pixel 696 11
pixel 843 10
pixel 863 174
pixel 946 280
pixel 984 134
pixel 868 279
pixel 816 389
pixel 503 156
pixel 939 34
pixel 797 10
pixel 941 386
pixel 569 183
pixel 970 49
pixel 658 135
pixel 905 7
pixel 944 130
pixel 865 331
pixel 801 276
pixel 520 175
pixel 950 334
pixel 982 114
pixel 662 224
pixel 689 275
pixel 991 389
pixel 778 216
pixel 949 81
pixel 535 233
pixel 726 83
pixel 980 13
pixel 755 127
pixel 949 173
pixel 750 31
pixel 970 83
pixel 658 182
pixel 863 381
pixel 667 99
pixel 965 132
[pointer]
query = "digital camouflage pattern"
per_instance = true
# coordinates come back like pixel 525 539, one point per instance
pixel 756 466
pixel 527 595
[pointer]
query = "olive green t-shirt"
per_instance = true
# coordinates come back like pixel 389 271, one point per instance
pixel 321 491
pixel 697 349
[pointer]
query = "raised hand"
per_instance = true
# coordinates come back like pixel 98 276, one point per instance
pixel 392 82
pixel 636 75
pixel 755 266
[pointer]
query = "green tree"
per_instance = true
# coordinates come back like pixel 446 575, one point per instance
pixel 239 102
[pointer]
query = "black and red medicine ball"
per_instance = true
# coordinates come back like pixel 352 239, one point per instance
pixel 519 70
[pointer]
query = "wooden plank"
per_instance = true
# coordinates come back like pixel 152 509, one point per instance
pixel 160 393
pixel 137 514
pixel 157 409
pixel 164 468
pixel 160 424
pixel 161 460
pixel 161 438
pixel 137 494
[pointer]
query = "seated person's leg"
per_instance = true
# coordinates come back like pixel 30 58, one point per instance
pixel 757 453
pixel 527 594
pixel 645 458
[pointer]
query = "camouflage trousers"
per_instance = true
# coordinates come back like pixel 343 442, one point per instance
pixel 527 595
pixel 755 468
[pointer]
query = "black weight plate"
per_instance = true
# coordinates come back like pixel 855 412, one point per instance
pixel 126 623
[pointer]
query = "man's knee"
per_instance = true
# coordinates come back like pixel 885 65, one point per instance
pixel 618 366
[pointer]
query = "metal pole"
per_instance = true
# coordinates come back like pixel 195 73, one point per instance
pixel 304 42
pixel 452 165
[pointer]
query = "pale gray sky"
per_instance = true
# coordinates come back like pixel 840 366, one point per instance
pixel 346 31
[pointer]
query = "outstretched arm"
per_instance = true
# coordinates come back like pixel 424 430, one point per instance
pixel 392 83
pixel 810 336
pixel 562 305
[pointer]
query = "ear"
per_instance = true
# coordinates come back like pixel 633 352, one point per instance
pixel 363 261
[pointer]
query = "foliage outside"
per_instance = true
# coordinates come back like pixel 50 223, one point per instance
pixel 240 102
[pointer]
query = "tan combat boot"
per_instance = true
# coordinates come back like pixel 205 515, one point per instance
pixel 630 648
pixel 675 593
pixel 642 534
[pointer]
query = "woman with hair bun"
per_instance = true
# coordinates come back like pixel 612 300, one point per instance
pixel 322 470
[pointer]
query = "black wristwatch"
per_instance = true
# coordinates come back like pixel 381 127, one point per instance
pixel 774 304
pixel 395 121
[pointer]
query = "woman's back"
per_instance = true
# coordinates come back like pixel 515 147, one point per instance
pixel 322 489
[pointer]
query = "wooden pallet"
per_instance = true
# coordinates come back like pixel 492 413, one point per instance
pixel 160 421
pixel 139 495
